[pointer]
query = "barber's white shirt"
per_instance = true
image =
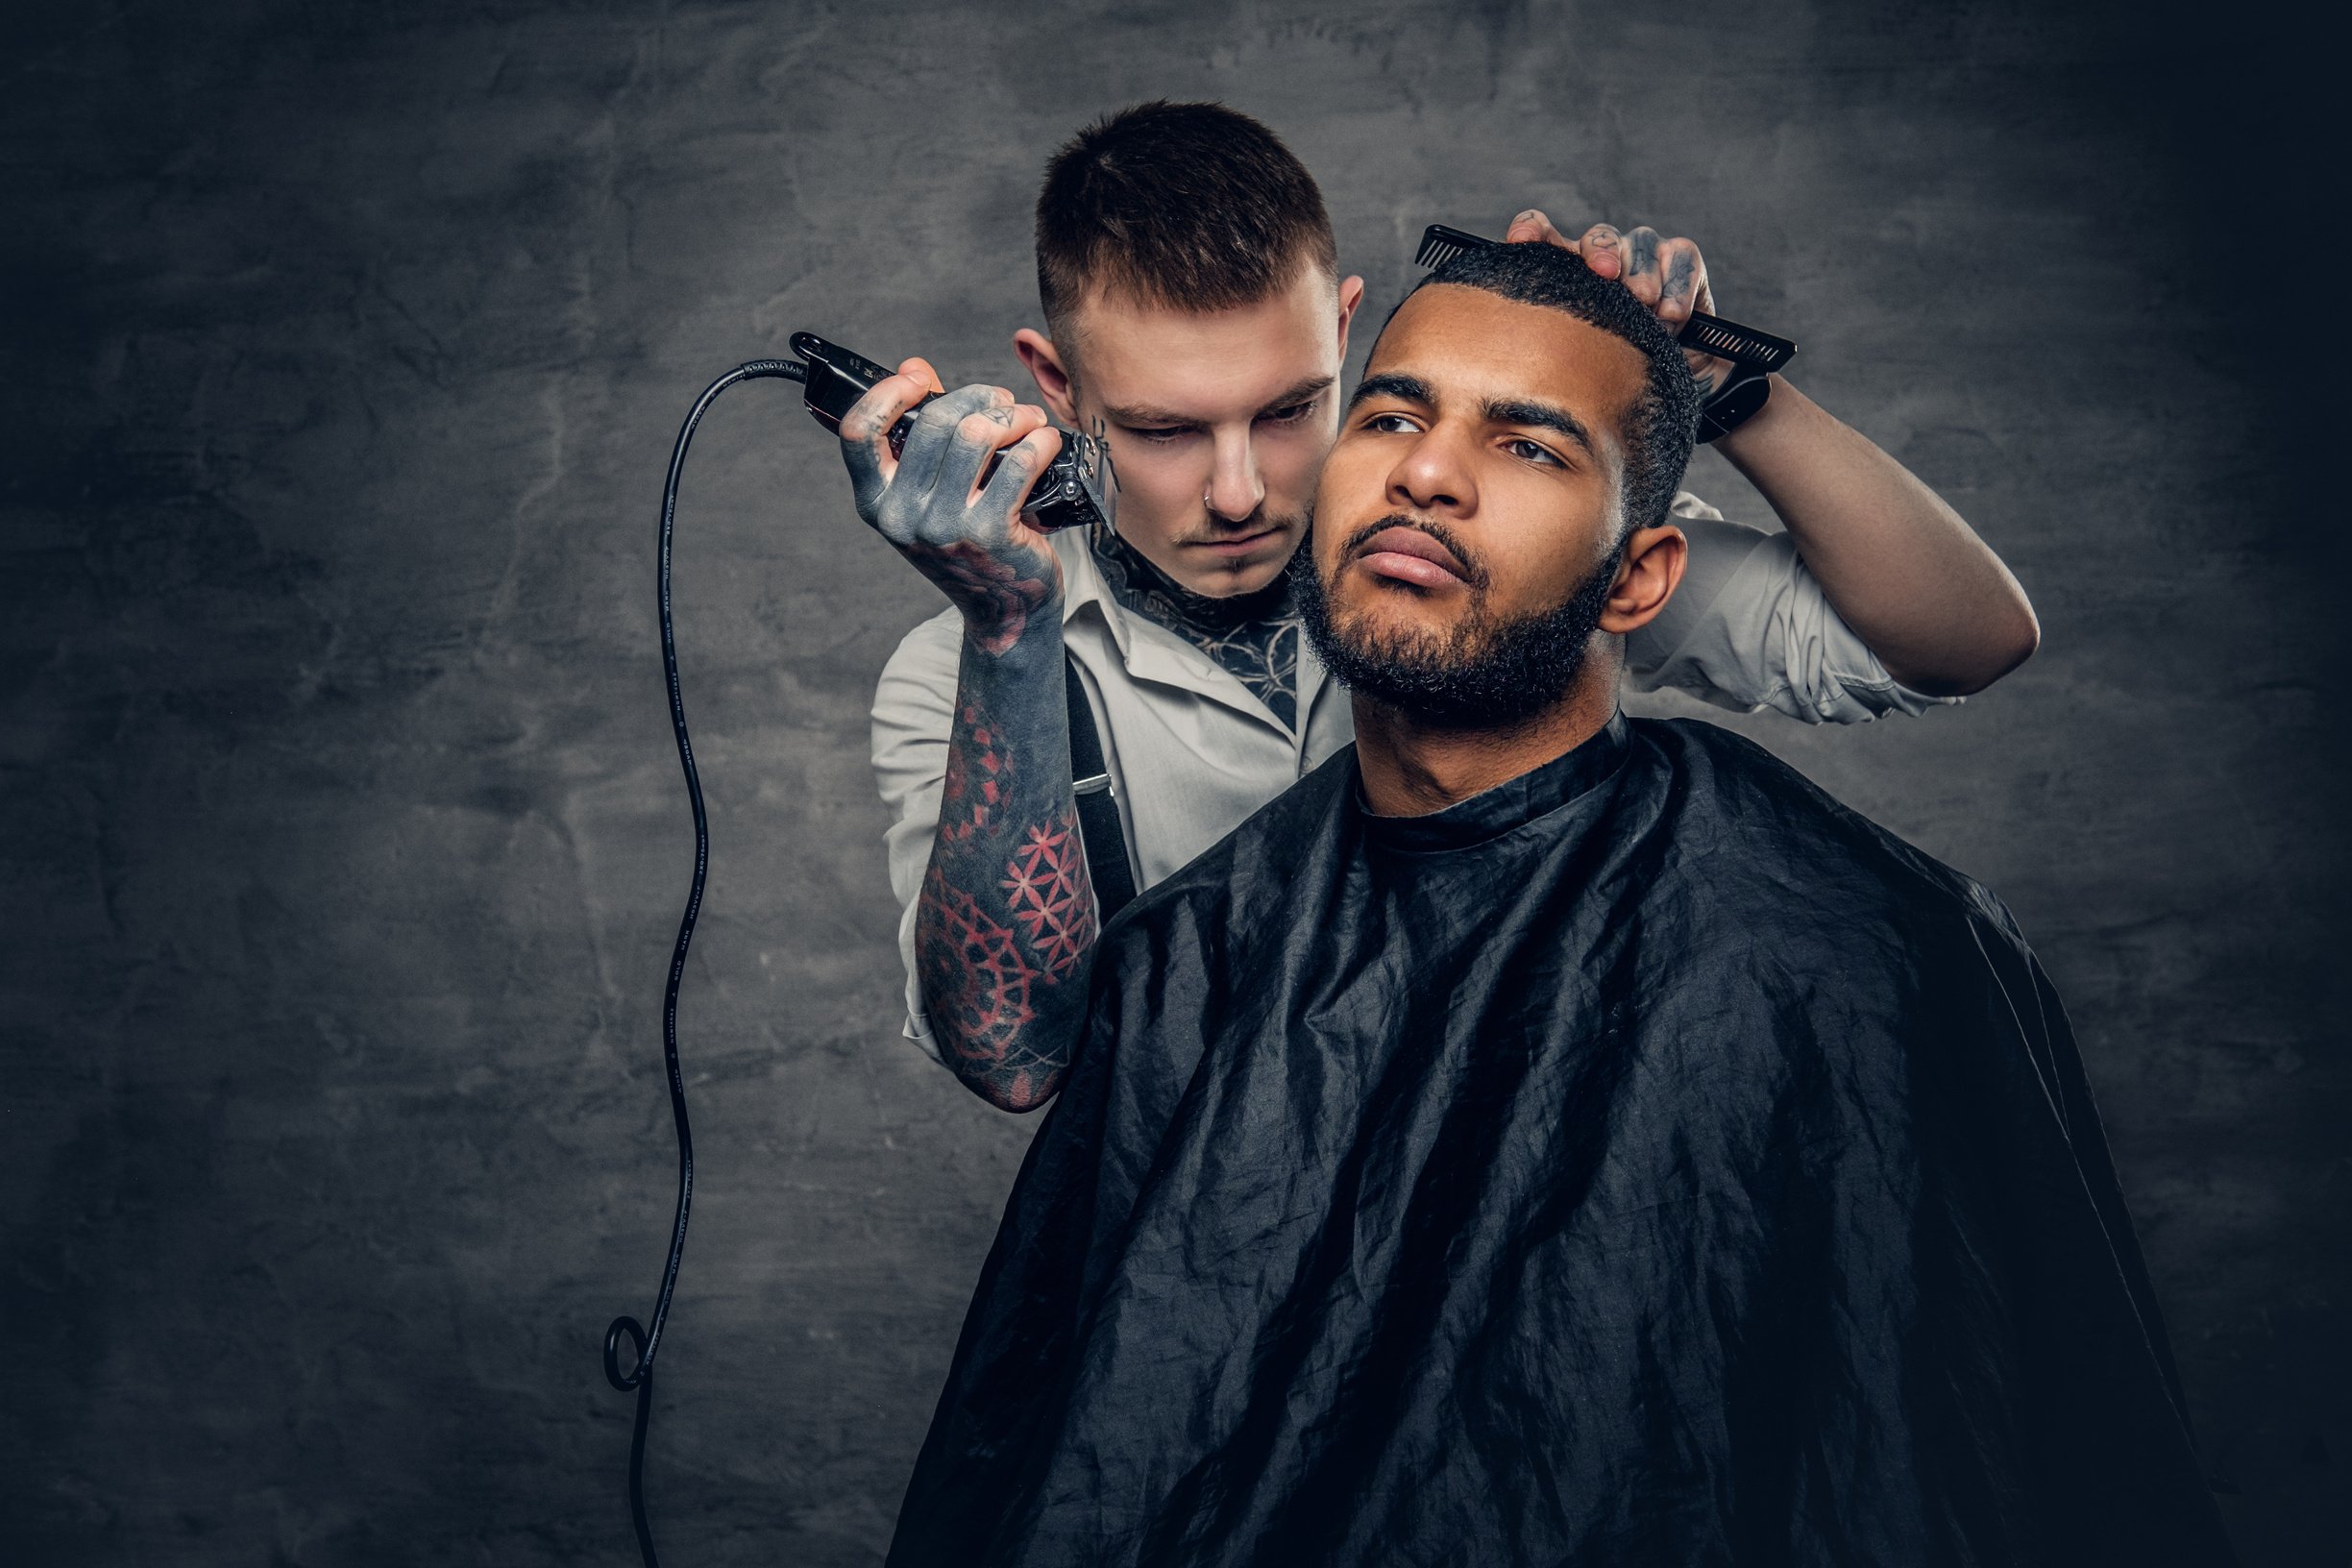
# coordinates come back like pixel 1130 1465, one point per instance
pixel 1191 752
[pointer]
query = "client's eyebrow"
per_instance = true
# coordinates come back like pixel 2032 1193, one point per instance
pixel 1403 388
pixel 1543 416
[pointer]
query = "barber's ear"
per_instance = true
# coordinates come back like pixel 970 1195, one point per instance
pixel 1051 374
pixel 1351 295
pixel 1653 569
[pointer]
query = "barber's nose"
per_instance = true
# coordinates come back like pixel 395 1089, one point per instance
pixel 1235 488
pixel 1433 476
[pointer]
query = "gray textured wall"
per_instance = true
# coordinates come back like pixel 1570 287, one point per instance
pixel 344 841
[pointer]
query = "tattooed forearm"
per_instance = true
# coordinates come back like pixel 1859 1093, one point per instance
pixel 975 977
pixel 1050 896
pixel 996 595
pixel 1006 917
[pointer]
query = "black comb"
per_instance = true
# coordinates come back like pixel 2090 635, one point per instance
pixel 1711 334
pixel 1440 244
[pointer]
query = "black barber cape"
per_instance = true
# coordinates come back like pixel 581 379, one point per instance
pixel 1648 1161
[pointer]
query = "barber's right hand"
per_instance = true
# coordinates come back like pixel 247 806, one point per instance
pixel 967 537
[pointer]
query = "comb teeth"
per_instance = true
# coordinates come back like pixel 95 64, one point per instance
pixel 1440 244
pixel 1729 340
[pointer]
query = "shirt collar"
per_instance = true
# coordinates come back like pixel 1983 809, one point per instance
pixel 1151 653
pixel 1083 586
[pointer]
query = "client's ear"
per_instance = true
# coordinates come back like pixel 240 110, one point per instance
pixel 1652 568
pixel 1052 377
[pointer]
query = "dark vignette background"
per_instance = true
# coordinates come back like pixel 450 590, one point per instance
pixel 343 837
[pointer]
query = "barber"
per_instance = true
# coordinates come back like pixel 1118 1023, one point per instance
pixel 1205 347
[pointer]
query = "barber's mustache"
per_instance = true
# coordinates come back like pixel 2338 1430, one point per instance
pixel 1260 521
pixel 1473 570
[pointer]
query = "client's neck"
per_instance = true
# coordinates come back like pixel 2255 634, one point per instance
pixel 1411 768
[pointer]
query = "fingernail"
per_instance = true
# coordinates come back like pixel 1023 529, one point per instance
pixel 1531 216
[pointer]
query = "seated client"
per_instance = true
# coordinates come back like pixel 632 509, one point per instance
pixel 1544 1138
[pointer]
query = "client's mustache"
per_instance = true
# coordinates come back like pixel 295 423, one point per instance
pixel 1473 570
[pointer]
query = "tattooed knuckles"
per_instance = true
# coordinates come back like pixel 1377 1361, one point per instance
pixel 865 432
pixel 958 509
pixel 931 505
pixel 936 497
pixel 1668 275
pixel 911 482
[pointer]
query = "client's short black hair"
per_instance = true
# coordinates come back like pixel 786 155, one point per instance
pixel 1664 425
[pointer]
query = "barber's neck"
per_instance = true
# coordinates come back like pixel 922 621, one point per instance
pixel 1411 769
pixel 1146 588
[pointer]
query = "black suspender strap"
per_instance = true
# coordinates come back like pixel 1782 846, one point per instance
pixel 1098 815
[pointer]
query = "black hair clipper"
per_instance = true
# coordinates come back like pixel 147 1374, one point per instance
pixel 1076 490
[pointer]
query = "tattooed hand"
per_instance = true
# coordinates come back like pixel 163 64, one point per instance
pixel 1668 276
pixel 966 536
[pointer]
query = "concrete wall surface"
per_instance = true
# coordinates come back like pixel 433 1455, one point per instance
pixel 343 834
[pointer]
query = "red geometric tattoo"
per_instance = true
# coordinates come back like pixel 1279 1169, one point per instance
pixel 1049 896
pixel 983 993
pixel 979 779
pixel 1005 910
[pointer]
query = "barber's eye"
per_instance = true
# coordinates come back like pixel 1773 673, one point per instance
pixel 1292 414
pixel 1158 435
pixel 1532 451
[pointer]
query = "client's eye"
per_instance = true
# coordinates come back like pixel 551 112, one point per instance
pixel 1390 424
pixel 1530 451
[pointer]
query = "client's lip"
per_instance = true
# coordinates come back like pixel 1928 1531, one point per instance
pixel 1409 556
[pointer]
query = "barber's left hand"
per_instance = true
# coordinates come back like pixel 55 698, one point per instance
pixel 1668 276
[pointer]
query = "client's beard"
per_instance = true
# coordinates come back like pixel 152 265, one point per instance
pixel 1486 674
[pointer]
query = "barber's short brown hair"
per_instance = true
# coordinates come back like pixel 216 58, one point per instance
pixel 1190 206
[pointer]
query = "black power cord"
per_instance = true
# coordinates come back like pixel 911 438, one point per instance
pixel 646 1342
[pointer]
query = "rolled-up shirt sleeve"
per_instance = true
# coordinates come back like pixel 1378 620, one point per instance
pixel 913 709
pixel 1750 628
